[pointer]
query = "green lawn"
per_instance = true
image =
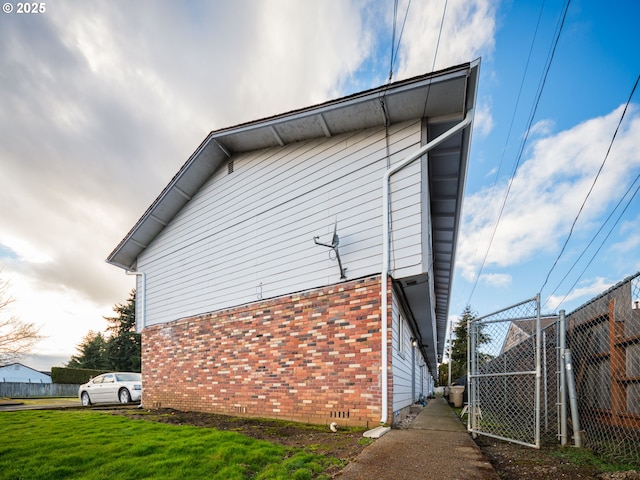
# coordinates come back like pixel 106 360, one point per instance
pixel 83 444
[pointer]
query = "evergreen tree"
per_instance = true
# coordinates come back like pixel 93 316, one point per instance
pixel 120 350
pixel 124 344
pixel 92 353
pixel 443 374
pixel 459 343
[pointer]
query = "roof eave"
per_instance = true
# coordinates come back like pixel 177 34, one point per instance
pixel 322 120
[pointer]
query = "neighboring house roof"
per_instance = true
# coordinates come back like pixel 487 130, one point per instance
pixel 17 372
pixel 521 330
pixel 444 97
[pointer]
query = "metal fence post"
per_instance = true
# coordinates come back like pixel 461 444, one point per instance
pixel 562 401
pixel 538 371
pixel 573 399
pixel 450 348
pixel 545 381
pixel 597 373
pixel 471 371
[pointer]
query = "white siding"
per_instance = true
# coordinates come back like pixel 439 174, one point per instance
pixel 249 234
pixel 411 377
pixel 401 358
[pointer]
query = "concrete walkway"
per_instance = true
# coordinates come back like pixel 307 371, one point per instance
pixel 436 446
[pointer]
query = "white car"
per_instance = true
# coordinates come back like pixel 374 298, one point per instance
pixel 123 387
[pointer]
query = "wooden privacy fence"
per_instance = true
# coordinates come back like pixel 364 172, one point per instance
pixel 26 390
pixel 604 338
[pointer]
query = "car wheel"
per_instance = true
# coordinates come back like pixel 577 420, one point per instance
pixel 124 395
pixel 86 401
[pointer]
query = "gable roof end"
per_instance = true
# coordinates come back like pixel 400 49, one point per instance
pixel 443 97
pixel 442 93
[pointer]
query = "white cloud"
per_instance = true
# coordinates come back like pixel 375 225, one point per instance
pixel 542 128
pixel 629 231
pixel 496 279
pixel 104 101
pixel 103 106
pixel 491 172
pixel 62 311
pixel 593 288
pixel 467 33
pixel 547 191
pixel 483 121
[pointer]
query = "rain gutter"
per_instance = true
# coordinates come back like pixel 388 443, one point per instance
pixel 386 248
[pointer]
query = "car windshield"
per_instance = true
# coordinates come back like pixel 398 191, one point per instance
pixel 129 377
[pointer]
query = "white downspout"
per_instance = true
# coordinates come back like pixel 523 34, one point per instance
pixel 386 249
pixel 142 296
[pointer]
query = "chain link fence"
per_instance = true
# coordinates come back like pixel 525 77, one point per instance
pixel 603 336
pixel 504 389
pixel 517 373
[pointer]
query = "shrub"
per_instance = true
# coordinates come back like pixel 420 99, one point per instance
pixel 73 375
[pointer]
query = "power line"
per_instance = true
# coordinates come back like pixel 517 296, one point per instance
pixel 435 55
pixel 591 242
pixel 524 140
pixel 393 38
pixel 395 48
pixel 504 149
pixel 575 220
pixel 601 245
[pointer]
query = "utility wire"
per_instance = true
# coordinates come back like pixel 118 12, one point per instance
pixel 394 55
pixel 524 141
pixel 393 38
pixel 435 55
pixel 504 149
pixel 601 245
pixel 575 220
pixel 592 240
pixel 395 48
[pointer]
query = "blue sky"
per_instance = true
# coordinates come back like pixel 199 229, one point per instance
pixel 103 101
pixel 592 74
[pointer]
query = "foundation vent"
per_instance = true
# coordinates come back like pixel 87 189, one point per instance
pixel 339 414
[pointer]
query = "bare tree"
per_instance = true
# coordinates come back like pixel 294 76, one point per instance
pixel 16 336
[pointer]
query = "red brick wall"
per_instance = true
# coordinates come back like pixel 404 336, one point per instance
pixel 311 357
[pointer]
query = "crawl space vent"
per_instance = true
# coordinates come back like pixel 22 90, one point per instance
pixel 339 414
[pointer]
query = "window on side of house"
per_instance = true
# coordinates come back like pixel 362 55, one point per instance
pixel 401 334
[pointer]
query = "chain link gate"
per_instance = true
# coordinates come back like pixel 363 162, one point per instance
pixel 525 368
pixel 505 365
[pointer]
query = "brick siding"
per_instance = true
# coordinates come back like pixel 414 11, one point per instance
pixel 310 357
